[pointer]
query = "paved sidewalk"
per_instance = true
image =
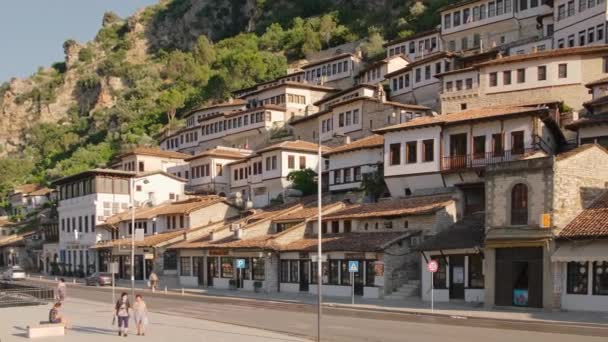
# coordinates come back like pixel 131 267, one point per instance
pixel 92 323
pixel 413 306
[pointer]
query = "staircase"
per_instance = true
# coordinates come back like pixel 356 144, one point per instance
pixel 407 290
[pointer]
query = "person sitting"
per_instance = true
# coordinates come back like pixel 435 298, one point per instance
pixel 55 316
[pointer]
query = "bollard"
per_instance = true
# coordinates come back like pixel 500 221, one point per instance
pixel 74 281
pixel 165 290
pixel 182 291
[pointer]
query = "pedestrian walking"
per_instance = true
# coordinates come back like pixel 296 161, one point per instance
pixel 153 281
pixel 61 291
pixel 140 315
pixel 122 312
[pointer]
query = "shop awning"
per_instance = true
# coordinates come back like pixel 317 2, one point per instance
pixel 594 251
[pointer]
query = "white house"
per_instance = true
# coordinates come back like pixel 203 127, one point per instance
pixel 145 159
pixel 416 46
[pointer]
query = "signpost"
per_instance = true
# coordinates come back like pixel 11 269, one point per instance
pixel 353 267
pixel 113 270
pixel 240 265
pixel 432 267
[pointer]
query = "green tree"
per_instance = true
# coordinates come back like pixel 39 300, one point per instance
pixel 203 51
pixel 373 184
pixel 304 180
pixel 373 46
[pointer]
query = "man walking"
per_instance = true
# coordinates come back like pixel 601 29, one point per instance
pixel 61 290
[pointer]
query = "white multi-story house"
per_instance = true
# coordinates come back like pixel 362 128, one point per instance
pixel 593 126
pixel 417 82
pixel 451 151
pixel 208 172
pixel 262 177
pixel 579 23
pixel 416 46
pixel 490 23
pixel 350 162
pixel 337 71
pixel 90 197
pixel 542 77
pixel 374 73
pixel 28 197
pixel 145 159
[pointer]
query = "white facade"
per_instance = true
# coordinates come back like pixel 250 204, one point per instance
pixel 332 69
pixel 416 47
pixel 346 169
pixel 579 23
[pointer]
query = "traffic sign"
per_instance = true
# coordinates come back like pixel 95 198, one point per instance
pixel 353 266
pixel 240 263
pixel 432 266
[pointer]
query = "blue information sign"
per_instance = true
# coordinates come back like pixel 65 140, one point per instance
pixel 240 263
pixel 353 266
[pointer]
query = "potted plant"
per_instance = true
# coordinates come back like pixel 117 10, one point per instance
pixel 232 284
pixel 257 286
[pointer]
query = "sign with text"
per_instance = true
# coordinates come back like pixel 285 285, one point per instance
pixel 241 263
pixel 114 267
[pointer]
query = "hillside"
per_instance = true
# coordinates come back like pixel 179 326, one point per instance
pixel 129 85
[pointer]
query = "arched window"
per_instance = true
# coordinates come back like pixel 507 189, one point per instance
pixel 519 204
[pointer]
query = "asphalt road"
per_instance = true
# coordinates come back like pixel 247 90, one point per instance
pixel 350 325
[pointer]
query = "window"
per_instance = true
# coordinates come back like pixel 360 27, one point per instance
pixel 440 277
pixel 562 70
pixel 600 32
pixel 302 162
pixel 337 176
pixel 561 44
pixel 428 151
pixel 464 42
pixel 479 147
pixel 508 6
pixel 571 40
pixel 519 204
pixel 411 152
pixel 493 79
pixel 506 77
pixel 476 280
pixel 542 73
pixel 521 75
pixel 475 13
pixel 466 13
pixel 291 162
pixel 418 75
pixel 447 21
pixel 500 7
pixel 226 267
pixel 561 12
pixel 355 117
pixel 185 268
pixel 427 72
pixel 581 38
pixel 438 68
pixel 570 8
pixel 600 278
pixel 517 142
pixel 294 271
pixel 582 5
pixel 476 40
pixel 491 9
pixel 456 18
pixel 482 12
pixel 395 155
pixel 591 35
pixel 497 148
pixel 458 85
pixel 577 275
pixel 257 267
pixel 341 120
pixel 449 86
pixel 170 260
pixel 523 5
pixel 334 272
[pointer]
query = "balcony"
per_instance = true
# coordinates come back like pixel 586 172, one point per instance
pixel 481 160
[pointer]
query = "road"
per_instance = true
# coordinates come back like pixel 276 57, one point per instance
pixel 350 325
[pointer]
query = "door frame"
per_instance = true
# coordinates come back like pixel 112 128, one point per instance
pixel 304 270
pixel 457 290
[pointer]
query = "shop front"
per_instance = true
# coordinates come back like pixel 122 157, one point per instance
pixel 143 266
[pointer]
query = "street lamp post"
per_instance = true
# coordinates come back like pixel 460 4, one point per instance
pixel 319 241
pixel 133 181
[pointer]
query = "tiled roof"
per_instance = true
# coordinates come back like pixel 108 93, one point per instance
pixel 431 57
pixel 148 241
pixel 458 117
pixel 410 37
pixel 309 211
pixel 581 148
pixel 220 153
pixel 26 188
pixel 154 152
pixel 547 54
pixel 231 103
pixel 13 240
pixel 381 62
pixel 100 171
pixel 591 222
pixel 329 59
pixel 372 141
pixel 296 145
pixel 397 207
pixel 178 207
pixel 590 120
pixel 292 85
pixel 345 91
pixel 602 80
pixel 348 242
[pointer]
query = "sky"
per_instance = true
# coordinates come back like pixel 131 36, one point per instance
pixel 32 32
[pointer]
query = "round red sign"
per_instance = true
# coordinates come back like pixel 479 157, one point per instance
pixel 432 266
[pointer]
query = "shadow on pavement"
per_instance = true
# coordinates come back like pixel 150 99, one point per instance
pixel 224 332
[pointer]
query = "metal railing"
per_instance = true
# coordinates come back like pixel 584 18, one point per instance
pixel 458 162
pixel 18 295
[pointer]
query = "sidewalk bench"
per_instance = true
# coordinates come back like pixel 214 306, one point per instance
pixel 45 329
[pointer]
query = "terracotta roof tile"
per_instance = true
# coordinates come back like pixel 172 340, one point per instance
pixel 220 153
pixel 590 120
pixel 547 54
pixel 591 222
pixel 581 148
pixel 396 207
pixel 349 242
pixel 463 116
pixel 602 80
pixel 148 241
pixel 231 103
pixel 178 207
pixel 372 141
pixel 295 145
pixel 154 152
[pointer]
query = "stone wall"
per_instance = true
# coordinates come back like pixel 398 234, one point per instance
pixel 400 265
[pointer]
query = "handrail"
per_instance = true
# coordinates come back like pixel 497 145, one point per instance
pixel 481 160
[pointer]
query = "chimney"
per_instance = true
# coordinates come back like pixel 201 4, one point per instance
pixel 238 234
